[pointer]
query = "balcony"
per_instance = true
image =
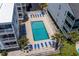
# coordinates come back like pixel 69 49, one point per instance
pixel 67 27
pixel 8 39
pixel 1 31
pixel 6 30
pixel 11 46
pixel 69 20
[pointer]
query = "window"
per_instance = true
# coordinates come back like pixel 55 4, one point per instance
pixel 67 23
pixel 59 6
pixel 5 36
pixel 70 15
pixel 23 3
pixel 10 43
pixel 18 4
pixel 8 26
pixel 20 15
pixel 23 7
pixel 5 26
pixel 74 27
pixel 19 8
pixel 0 46
pixel 77 20
pixel 1 27
pixel 8 35
pixel 11 35
pixel 64 29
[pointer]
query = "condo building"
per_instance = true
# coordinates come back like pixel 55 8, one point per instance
pixel 66 16
pixel 10 15
pixel 23 8
pixel 9 26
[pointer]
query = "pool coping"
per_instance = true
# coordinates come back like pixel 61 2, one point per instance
pixel 44 28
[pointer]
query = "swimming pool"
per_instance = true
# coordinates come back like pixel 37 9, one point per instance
pixel 39 31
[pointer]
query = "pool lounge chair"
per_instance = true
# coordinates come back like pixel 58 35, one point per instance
pixel 38 46
pixel 42 45
pixel 53 43
pixel 37 15
pixel 40 14
pixel 31 47
pixel 33 15
pixel 35 46
pixel 50 43
pixel 45 44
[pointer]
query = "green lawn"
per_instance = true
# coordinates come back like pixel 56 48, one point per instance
pixel 67 50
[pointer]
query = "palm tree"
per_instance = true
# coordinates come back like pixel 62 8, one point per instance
pixel 59 40
pixel 23 41
pixel 43 5
pixel 74 36
pixel 43 8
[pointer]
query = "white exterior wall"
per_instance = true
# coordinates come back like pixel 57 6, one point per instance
pixel 15 22
pixel 8 39
pixel 59 13
pixel 14 30
pixel 20 12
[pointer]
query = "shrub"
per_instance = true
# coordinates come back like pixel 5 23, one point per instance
pixel 4 53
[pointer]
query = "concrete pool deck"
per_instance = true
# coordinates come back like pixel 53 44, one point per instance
pixel 49 25
pixel 38 52
pixel 51 29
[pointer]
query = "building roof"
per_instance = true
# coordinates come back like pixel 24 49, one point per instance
pixel 75 9
pixel 6 12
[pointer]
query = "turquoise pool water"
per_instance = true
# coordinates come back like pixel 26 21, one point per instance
pixel 39 31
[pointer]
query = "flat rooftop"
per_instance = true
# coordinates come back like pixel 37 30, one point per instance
pixel 6 12
pixel 75 9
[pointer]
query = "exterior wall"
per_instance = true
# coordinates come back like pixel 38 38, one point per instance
pixel 19 5
pixel 15 22
pixel 23 8
pixel 8 38
pixel 59 12
pixel 9 32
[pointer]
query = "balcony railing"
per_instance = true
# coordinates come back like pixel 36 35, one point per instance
pixel 8 30
pixel 11 46
pixel 8 39
pixel 1 31
pixel 67 27
pixel 5 30
pixel 69 20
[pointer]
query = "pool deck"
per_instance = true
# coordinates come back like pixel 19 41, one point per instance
pixel 39 52
pixel 49 25
pixel 51 29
